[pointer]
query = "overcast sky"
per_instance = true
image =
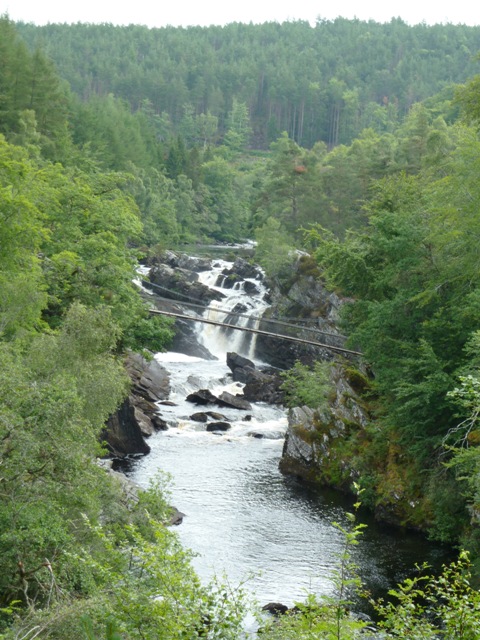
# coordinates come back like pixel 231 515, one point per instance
pixel 155 13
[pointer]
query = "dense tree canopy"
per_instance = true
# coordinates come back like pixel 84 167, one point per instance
pixel 325 82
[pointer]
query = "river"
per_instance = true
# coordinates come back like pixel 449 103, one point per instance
pixel 244 519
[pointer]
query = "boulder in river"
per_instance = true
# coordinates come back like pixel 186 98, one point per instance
pixel 202 396
pixel 199 417
pixel 236 402
pixel 239 365
pixel 218 426
pixel 244 269
pixel 180 284
pixel 250 288
pixel 275 608
pixel 215 416
pixel 260 386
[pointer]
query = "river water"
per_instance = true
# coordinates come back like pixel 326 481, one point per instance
pixel 243 518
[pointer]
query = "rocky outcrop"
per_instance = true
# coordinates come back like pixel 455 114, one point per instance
pixel 138 417
pixel 173 278
pixel 184 261
pixel 260 386
pixel 180 284
pixel 314 448
pixel 242 269
pixel 225 399
pixel 122 433
pixel 186 340
pixel 150 380
pixel 305 302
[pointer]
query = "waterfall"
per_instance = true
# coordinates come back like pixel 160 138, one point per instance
pixel 245 297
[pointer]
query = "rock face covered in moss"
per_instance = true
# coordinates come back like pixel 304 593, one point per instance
pixel 317 441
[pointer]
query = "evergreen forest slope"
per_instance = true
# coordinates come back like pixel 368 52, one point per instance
pixel 326 82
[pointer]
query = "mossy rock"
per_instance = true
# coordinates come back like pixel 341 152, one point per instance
pixel 307 266
pixel 357 380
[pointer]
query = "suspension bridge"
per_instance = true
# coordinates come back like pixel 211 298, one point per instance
pixel 280 336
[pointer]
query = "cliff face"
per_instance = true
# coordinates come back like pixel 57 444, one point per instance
pixel 332 445
pixel 317 441
pixel 138 417
pixel 305 302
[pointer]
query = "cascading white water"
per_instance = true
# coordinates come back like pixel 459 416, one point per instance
pixel 219 340
pixel 242 517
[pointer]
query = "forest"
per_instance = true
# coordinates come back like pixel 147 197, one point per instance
pixel 357 142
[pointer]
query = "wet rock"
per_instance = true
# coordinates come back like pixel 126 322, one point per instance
pixel 181 284
pixel 219 426
pixel 202 396
pixel 264 387
pixel 122 432
pixel 260 386
pixel 138 417
pixel 150 379
pixel 144 422
pixel 239 308
pixel 251 288
pixel 176 517
pixel 236 361
pixel 228 281
pixel 275 608
pixel 192 263
pixel 236 402
pixel 215 416
pixel 199 417
pixel 159 423
pixel 244 269
pixel 186 341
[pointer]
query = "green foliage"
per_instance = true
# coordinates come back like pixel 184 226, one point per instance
pixel 308 386
pixel 412 278
pixel 238 126
pixel 274 249
pixel 327 81
pixel 153 333
pixel 55 398
pixel 223 200
pixel 33 104
pixel 146 590
pixel 452 599
pixel 76 560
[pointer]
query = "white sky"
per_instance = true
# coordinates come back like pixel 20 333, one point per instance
pixel 158 13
